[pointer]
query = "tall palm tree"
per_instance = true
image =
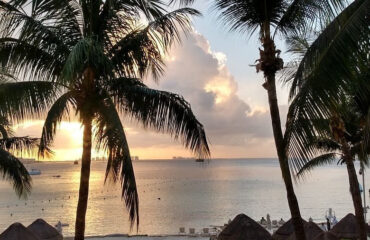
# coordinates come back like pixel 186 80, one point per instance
pixel 11 167
pixel 334 68
pixel 342 136
pixel 90 57
pixel 271 18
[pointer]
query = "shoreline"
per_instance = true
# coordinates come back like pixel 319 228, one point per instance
pixel 147 236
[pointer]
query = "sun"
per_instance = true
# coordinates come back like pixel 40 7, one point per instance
pixel 74 130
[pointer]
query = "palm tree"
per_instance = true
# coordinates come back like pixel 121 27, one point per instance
pixel 342 136
pixel 271 18
pixel 11 167
pixel 90 57
pixel 334 69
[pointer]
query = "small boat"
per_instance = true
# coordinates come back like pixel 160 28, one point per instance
pixel 75 162
pixel 34 171
pixel 199 160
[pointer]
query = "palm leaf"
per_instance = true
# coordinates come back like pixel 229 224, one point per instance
pixel 13 170
pixel 324 159
pixel 305 14
pixel 19 145
pixel 22 100
pixel 335 48
pixel 4 127
pixel 86 53
pixel 111 137
pixel 21 56
pixel 57 111
pixel 142 50
pixel 247 16
pixel 162 111
pixel 167 27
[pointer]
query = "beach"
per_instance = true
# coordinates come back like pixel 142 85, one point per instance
pixel 125 237
pixel 175 194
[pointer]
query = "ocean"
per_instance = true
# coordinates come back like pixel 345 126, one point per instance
pixel 176 194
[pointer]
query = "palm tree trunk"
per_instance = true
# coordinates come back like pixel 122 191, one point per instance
pixel 84 181
pixel 355 190
pixel 270 64
pixel 279 143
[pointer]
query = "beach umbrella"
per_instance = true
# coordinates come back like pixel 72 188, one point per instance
pixel 17 231
pixel 311 231
pixel 326 236
pixel 346 227
pixel 284 232
pixel 244 228
pixel 44 230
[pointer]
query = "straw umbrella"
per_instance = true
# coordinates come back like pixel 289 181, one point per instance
pixel 311 231
pixel 346 228
pixel 284 232
pixel 17 231
pixel 326 236
pixel 44 230
pixel 244 228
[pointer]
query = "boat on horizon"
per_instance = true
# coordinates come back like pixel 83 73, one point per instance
pixel 75 162
pixel 35 171
pixel 199 160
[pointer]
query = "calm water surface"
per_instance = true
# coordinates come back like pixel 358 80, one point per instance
pixel 191 195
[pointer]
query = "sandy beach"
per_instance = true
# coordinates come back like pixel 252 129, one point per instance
pixel 143 237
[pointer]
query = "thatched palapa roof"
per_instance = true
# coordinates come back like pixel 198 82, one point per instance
pixel 346 227
pixel 17 231
pixel 326 236
pixel 44 231
pixel 285 231
pixel 311 231
pixel 244 228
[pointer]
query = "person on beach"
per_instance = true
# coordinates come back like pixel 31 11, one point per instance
pixel 328 224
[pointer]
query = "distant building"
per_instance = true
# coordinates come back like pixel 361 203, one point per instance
pixel 182 158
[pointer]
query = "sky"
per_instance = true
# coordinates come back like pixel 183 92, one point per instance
pixel 211 70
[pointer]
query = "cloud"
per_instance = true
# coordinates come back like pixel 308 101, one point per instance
pixel 201 76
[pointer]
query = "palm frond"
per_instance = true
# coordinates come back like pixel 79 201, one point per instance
pixel 334 49
pixel 303 130
pixel 110 136
pixel 27 61
pixel 298 44
pixel 86 53
pixel 320 87
pixel 51 24
pixel 137 54
pixel 22 100
pixel 324 159
pixel 142 50
pixel 162 111
pixel 55 115
pixel 13 170
pixel 4 127
pixel 19 145
pixel 247 16
pixel 167 27
pixel 182 2
pixel 305 14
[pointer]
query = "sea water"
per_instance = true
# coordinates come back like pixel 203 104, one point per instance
pixel 175 194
